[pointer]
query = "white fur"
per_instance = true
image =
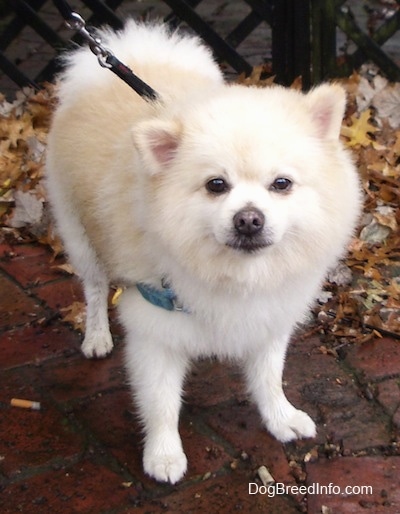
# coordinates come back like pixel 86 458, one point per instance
pixel 127 181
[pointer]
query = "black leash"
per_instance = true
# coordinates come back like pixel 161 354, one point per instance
pixel 105 57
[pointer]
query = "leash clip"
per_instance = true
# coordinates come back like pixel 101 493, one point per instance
pixel 76 22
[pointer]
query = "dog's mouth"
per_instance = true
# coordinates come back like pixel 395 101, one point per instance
pixel 248 244
pixel 249 232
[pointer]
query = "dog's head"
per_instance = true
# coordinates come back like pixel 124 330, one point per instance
pixel 249 174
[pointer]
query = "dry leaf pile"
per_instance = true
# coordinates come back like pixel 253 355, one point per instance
pixel 365 289
pixel 361 298
pixel 24 125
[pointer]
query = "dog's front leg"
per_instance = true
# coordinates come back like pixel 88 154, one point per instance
pixel 157 375
pixel 264 370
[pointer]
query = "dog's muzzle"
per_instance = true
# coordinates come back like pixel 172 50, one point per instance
pixel 249 233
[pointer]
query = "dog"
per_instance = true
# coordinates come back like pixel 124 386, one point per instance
pixel 219 207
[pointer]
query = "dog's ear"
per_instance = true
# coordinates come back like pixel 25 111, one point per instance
pixel 327 105
pixel 157 142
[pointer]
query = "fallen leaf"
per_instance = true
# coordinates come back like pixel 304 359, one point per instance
pixel 368 89
pixel 386 216
pixel 28 210
pixel 359 129
pixel 375 232
pixel 387 103
pixel 65 268
pixel 341 275
pixel 76 315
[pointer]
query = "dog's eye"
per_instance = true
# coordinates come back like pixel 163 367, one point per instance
pixel 281 184
pixel 217 186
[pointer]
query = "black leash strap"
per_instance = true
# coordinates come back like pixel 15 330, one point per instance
pixel 105 57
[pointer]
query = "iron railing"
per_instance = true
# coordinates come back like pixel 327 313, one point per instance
pixel 303 36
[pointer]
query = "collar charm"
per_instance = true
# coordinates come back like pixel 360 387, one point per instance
pixel 165 297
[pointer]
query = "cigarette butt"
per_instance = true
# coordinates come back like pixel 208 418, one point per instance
pixel 25 404
pixel 265 476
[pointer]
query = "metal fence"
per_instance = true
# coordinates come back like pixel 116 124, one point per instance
pixel 316 39
pixel 329 17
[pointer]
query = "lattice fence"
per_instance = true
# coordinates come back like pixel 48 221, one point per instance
pixel 343 41
pixel 316 39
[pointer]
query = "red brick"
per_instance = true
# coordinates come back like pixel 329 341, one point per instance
pixel 396 418
pixel 376 359
pixel 16 307
pixel 77 377
pixel 122 435
pixel 87 487
pixel 383 474
pixel 32 438
pixel 35 344
pixel 62 293
pixel 316 383
pixel 205 455
pixel 111 418
pixel 88 409
pixel 389 395
pixel 305 369
pixel 212 382
pixel 20 251
pixel 241 426
pixel 222 495
pixel 6 250
pixel 31 265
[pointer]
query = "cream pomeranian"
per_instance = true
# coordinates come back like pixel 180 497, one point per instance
pixel 219 207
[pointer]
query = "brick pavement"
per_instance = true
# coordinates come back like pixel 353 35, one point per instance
pixel 82 452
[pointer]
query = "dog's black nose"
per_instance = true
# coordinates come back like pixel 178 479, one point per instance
pixel 249 221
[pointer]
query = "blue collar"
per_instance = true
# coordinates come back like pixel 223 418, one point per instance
pixel 164 297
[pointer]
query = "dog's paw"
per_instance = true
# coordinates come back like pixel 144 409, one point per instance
pixel 296 425
pixel 97 344
pixel 165 467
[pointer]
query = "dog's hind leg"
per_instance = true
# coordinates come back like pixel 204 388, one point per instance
pixel 97 341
